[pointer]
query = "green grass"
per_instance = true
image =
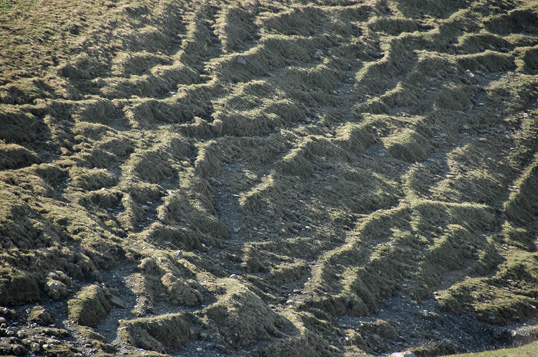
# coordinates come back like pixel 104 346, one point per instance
pixel 524 351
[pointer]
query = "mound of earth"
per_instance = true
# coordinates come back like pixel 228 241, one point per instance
pixel 328 177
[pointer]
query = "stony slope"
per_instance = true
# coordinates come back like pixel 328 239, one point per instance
pixel 268 177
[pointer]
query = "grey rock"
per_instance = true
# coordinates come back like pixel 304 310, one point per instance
pixel 55 285
pixel 403 354
pixel 377 338
pixel 18 350
pixel 116 301
pixel 56 289
pixel 60 276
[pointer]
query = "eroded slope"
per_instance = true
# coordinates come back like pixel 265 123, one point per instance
pixel 271 177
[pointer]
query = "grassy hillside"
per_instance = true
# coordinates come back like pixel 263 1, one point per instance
pixel 527 350
pixel 243 177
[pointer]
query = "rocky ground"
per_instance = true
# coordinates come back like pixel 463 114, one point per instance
pixel 330 177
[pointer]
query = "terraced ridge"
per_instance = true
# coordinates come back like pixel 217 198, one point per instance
pixel 323 177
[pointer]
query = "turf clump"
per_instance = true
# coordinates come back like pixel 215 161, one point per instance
pixel 90 307
pixel 241 317
pixel 39 315
pixel 18 286
pixel 182 293
pixel 521 204
pixel 158 333
pixel 13 156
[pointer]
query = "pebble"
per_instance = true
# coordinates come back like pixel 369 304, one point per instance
pixel 241 60
pixel 2 320
pixel 377 338
pixel 318 54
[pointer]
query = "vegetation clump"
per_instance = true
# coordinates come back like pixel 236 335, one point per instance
pixel 90 306
pixel 242 318
pixel 158 333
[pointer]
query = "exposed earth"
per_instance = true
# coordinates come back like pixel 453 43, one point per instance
pixel 272 178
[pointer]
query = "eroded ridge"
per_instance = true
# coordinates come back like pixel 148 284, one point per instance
pixel 268 177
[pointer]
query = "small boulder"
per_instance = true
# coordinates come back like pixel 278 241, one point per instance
pixel 403 354
pixel 117 302
pixel 18 350
pixel 56 289
pixel 59 275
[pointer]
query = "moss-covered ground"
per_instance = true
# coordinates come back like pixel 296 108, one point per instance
pixel 251 177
